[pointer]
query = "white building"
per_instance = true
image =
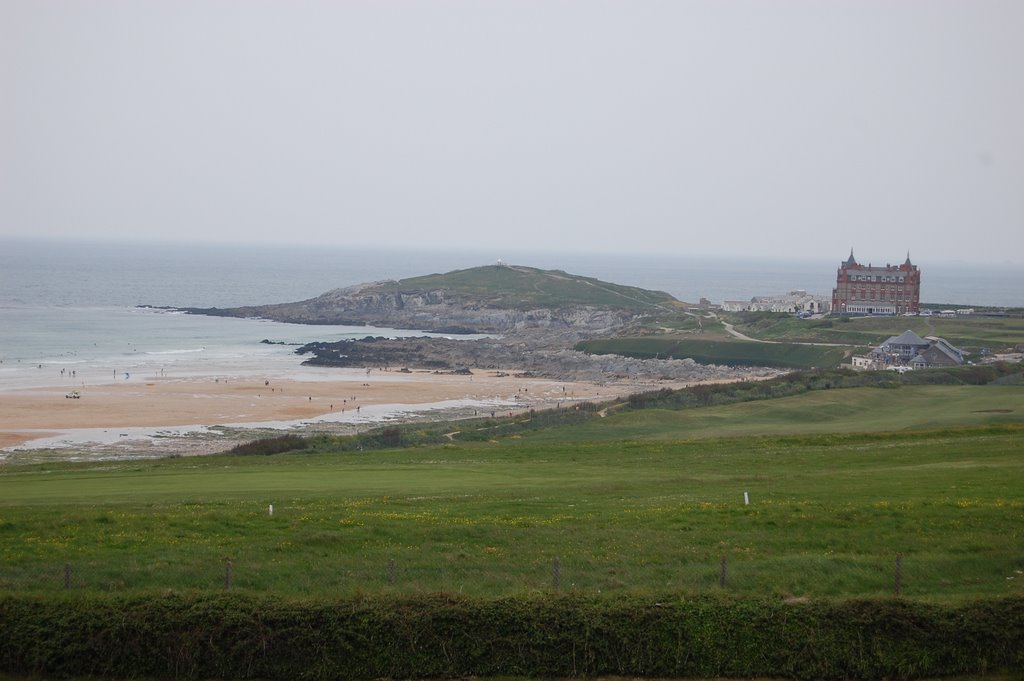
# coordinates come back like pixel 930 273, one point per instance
pixel 792 302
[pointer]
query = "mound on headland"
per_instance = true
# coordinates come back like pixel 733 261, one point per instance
pixel 539 314
pixel 489 299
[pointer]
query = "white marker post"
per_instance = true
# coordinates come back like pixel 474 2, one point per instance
pixel 270 510
pixel 746 499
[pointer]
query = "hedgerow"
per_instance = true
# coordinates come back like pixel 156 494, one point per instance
pixel 239 636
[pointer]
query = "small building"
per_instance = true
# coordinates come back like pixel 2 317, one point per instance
pixel 793 302
pixel 866 363
pixel 941 353
pixel 904 346
pixel 909 351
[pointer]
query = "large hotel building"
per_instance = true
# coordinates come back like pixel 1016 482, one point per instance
pixel 863 289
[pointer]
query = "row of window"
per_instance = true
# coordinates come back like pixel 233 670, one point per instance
pixel 869 277
pixel 872 309
pixel 864 294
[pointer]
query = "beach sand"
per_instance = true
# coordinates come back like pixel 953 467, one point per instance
pixel 34 413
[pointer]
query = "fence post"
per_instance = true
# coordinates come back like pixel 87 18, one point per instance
pixel 556 574
pixel 67 575
pixel 722 568
pixel 229 576
pixel 898 581
pixel 391 571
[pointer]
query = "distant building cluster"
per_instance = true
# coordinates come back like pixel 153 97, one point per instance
pixel 867 290
pixel 860 290
pixel 910 351
pixel 794 302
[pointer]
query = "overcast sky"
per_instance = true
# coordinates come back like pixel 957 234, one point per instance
pixel 756 127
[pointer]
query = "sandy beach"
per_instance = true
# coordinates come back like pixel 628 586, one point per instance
pixel 40 412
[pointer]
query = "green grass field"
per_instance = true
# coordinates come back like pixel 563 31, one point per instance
pixel 821 412
pixel 968 332
pixel 726 351
pixel 840 481
pixel 791 340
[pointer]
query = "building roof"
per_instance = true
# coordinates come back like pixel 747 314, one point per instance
pixel 947 348
pixel 908 337
pixel 937 356
pixel 851 263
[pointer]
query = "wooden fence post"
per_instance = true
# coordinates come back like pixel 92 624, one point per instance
pixel 722 568
pixel 229 573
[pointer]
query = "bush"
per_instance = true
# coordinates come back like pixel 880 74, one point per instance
pixel 443 636
pixel 270 445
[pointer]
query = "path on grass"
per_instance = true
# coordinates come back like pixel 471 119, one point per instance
pixel 736 334
pixel 733 332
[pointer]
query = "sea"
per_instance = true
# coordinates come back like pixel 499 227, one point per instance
pixel 86 312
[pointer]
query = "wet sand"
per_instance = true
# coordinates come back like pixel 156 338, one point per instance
pixel 34 413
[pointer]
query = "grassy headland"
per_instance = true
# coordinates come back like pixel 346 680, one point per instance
pixel 516 286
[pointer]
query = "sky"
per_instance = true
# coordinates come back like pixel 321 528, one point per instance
pixel 752 128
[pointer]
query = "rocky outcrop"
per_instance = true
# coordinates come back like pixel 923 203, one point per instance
pixel 538 355
pixel 534 316
pixel 433 310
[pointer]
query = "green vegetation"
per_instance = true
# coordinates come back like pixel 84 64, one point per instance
pixel 794 343
pixel 447 636
pixel 507 286
pixel 969 332
pixel 733 352
pixel 828 515
pixel 647 498
pixel 612 539
pixel 270 445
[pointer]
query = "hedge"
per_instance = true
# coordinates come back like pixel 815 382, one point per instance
pixel 239 636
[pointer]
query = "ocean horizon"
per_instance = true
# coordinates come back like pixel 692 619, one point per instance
pixel 78 304
pixel 91 273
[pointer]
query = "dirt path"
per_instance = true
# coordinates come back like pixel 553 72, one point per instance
pixel 736 334
pixel 733 332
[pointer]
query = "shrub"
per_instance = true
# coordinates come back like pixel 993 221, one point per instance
pixel 548 635
pixel 270 445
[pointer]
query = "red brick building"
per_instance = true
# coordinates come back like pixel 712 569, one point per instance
pixel 863 289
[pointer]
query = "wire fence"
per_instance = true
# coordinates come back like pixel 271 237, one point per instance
pixel 868 576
